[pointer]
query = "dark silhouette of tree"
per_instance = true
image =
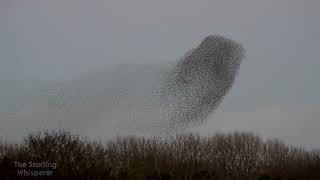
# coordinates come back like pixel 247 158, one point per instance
pixel 186 156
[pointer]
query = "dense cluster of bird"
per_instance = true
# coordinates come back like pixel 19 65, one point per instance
pixel 137 99
pixel 196 84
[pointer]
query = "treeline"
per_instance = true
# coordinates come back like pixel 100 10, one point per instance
pixel 188 156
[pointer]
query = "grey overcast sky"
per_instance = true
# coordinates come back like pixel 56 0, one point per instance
pixel 275 94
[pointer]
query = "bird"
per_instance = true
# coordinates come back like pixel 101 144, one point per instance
pixel 137 99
